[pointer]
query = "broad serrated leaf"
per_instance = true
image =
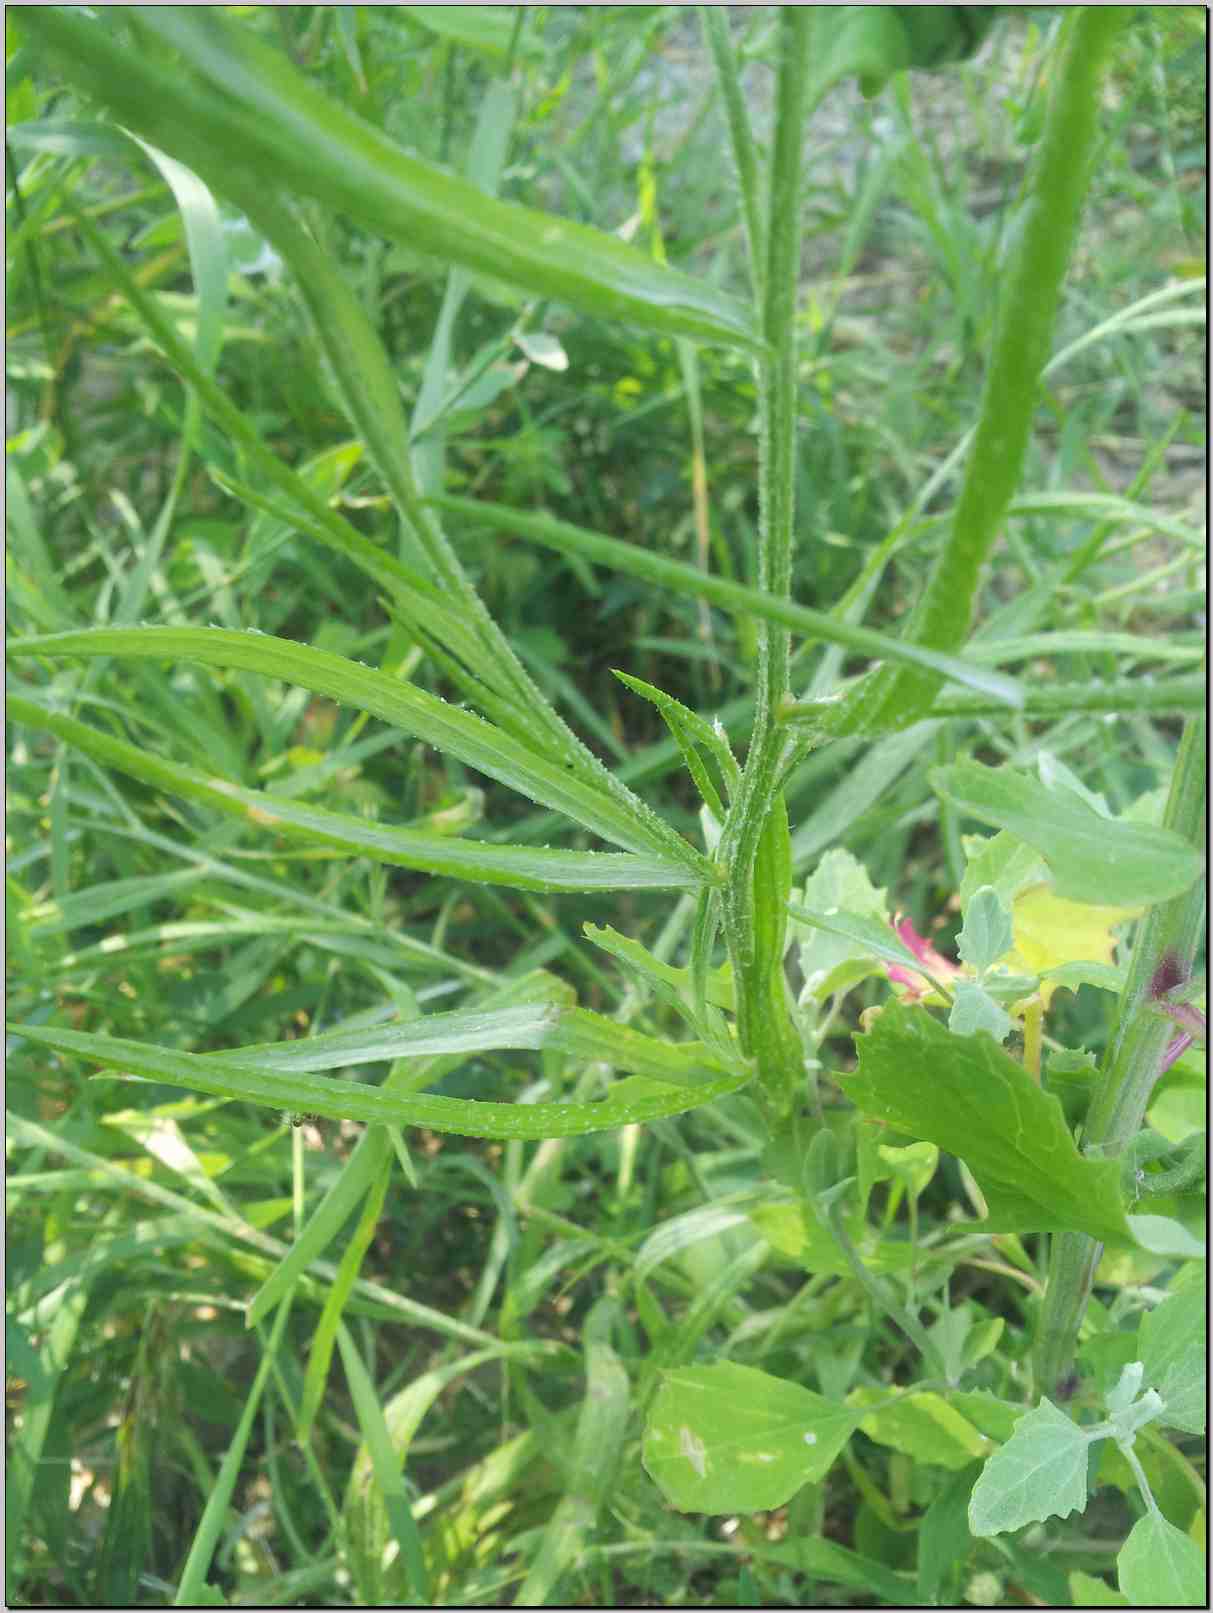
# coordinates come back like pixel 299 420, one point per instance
pixel 972 1099
pixel 729 1438
pixel 1041 1472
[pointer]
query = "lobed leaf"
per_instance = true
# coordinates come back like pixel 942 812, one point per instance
pixel 867 937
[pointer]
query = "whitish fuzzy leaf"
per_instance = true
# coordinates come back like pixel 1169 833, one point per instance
pixel 863 935
pixel 975 1010
pixel 1160 1566
pixel 1041 1472
pixel 1173 1353
pixel 828 961
pixel 987 934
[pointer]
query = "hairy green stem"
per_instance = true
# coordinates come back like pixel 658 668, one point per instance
pixel 1163 958
pixel 754 842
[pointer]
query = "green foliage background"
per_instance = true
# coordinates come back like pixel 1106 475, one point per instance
pixel 135 914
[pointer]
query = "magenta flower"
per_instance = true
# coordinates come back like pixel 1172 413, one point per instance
pixel 918 986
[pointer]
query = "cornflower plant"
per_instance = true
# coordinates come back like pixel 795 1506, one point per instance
pixel 985 1416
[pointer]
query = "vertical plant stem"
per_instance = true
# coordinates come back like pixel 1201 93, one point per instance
pixel 753 845
pixel 1162 959
pixel 715 25
pixel 1036 265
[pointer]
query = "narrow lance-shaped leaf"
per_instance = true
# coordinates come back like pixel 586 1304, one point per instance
pixel 1030 284
pixel 516 867
pixel 527 1025
pixel 484 666
pixel 475 742
pixel 533 993
pixel 597 1448
pixel 577 1032
pixel 238 102
pixel 631 1102
pixel 635 561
